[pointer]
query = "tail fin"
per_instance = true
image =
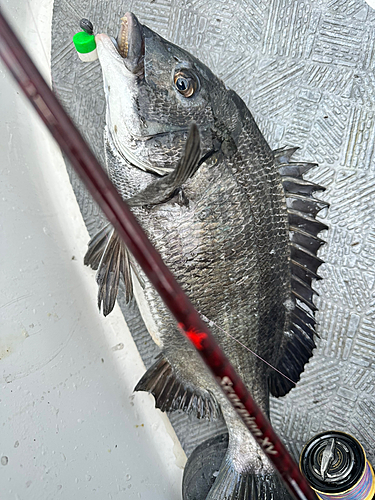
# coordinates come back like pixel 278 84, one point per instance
pixel 233 485
pixel 212 458
pixel 108 254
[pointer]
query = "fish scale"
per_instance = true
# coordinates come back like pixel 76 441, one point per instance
pixel 226 297
pixel 218 215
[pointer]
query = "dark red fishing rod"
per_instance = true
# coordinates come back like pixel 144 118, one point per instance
pixel 117 212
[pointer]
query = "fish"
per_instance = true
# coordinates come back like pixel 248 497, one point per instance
pixel 234 220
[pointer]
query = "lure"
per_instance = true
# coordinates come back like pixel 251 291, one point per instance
pixel 84 42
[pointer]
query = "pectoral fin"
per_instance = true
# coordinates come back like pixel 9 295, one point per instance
pixel 163 189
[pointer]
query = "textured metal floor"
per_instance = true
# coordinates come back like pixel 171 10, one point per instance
pixel 305 68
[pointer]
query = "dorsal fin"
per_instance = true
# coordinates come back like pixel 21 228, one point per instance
pixel 304 263
pixel 296 185
pixel 296 169
pixel 283 155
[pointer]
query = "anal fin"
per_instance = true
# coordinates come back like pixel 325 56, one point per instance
pixel 172 393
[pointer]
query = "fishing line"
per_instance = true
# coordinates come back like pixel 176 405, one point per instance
pixel 210 323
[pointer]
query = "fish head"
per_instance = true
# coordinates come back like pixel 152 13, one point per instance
pixel 154 91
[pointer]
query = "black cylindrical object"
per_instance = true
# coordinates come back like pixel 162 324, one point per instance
pixel 336 467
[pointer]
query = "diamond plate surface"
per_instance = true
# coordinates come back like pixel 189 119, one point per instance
pixel 306 70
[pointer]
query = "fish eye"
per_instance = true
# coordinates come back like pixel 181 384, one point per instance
pixel 185 83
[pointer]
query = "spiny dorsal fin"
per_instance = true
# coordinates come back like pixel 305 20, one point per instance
pixel 302 220
pixel 283 155
pixel 173 393
pixel 304 244
pixel 305 258
pixel 305 239
pixel 109 255
pixel 300 203
pixel 298 185
pixel 296 170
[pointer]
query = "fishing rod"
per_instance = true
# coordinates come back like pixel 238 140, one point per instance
pixel 118 213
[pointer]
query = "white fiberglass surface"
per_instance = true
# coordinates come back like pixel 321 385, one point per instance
pixel 70 425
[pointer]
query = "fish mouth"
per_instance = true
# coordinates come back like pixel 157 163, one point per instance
pixel 130 43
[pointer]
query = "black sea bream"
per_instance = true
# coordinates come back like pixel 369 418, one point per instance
pixel 233 220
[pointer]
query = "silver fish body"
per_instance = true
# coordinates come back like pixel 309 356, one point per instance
pixel 231 233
